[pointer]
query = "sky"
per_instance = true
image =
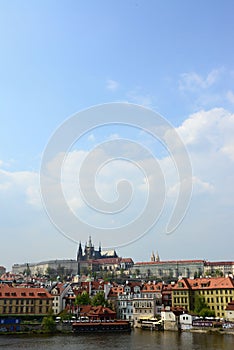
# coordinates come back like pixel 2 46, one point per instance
pixel 62 57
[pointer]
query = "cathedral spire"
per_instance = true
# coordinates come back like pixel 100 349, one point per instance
pixel 157 257
pixel 152 258
pixel 90 242
pixel 79 252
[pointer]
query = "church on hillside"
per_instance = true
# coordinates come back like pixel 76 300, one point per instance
pixel 87 261
pixel 90 253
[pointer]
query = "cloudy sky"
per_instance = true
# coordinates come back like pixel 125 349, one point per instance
pixel 61 57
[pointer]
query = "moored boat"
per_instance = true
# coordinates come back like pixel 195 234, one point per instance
pixel 101 326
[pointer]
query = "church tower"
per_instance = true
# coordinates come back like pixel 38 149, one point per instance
pixel 79 258
pixel 89 250
pixel 152 258
pixel 79 252
pixel 157 257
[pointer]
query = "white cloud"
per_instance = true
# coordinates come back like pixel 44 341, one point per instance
pixel 138 97
pixel 206 128
pixel 21 183
pixel 112 85
pixel 228 150
pixel 230 96
pixel 208 136
pixel 113 137
pixel 91 138
pixel 193 80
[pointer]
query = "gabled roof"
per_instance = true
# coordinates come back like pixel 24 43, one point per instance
pixel 7 292
pixel 152 288
pixel 205 283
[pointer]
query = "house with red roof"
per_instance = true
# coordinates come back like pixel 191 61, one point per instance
pixel 19 301
pixel 217 293
pixel 229 312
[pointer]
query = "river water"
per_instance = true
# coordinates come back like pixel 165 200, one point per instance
pixel 135 340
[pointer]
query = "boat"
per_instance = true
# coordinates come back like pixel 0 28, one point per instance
pixel 80 327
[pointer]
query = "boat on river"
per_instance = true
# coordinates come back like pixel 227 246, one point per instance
pixel 101 326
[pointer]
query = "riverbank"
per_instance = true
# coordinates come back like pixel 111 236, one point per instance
pixel 66 331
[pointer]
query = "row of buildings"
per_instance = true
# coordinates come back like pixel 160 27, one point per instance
pixel 134 301
pixel 91 261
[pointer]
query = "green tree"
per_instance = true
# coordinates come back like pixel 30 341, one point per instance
pixel 218 273
pixel 83 299
pixel 206 312
pixel 201 308
pixel 99 299
pixel 48 323
pixel 199 304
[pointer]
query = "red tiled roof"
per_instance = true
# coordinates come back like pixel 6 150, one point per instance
pixel 218 263
pixel 205 283
pixel 169 262
pixel 115 291
pixel 7 292
pixel 95 311
pixel 152 287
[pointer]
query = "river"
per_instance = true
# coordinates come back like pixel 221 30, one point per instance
pixel 135 340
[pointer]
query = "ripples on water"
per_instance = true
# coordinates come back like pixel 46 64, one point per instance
pixel 137 340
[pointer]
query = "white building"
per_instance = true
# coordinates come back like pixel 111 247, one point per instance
pixel 171 318
pixel 144 308
pixel 59 291
pixel 186 321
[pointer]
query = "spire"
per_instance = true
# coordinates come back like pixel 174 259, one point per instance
pixel 90 242
pixel 100 248
pixel 157 257
pixel 152 258
pixel 79 252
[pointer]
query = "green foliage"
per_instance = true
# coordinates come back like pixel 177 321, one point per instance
pixel 199 304
pixel 99 299
pixel 48 323
pixel 65 315
pixel 83 299
pixel 201 308
pixel 206 312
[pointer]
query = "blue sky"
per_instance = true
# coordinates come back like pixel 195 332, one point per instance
pixel 60 57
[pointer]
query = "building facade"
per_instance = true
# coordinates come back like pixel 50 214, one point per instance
pixel 216 292
pixel 170 269
pixel 19 301
pixel 88 261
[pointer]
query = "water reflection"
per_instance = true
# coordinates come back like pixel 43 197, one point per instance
pixel 137 340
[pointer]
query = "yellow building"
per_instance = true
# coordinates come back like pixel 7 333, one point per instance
pixel 19 301
pixel 216 292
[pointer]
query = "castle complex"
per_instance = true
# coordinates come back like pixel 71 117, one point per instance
pixel 90 260
pixel 87 261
